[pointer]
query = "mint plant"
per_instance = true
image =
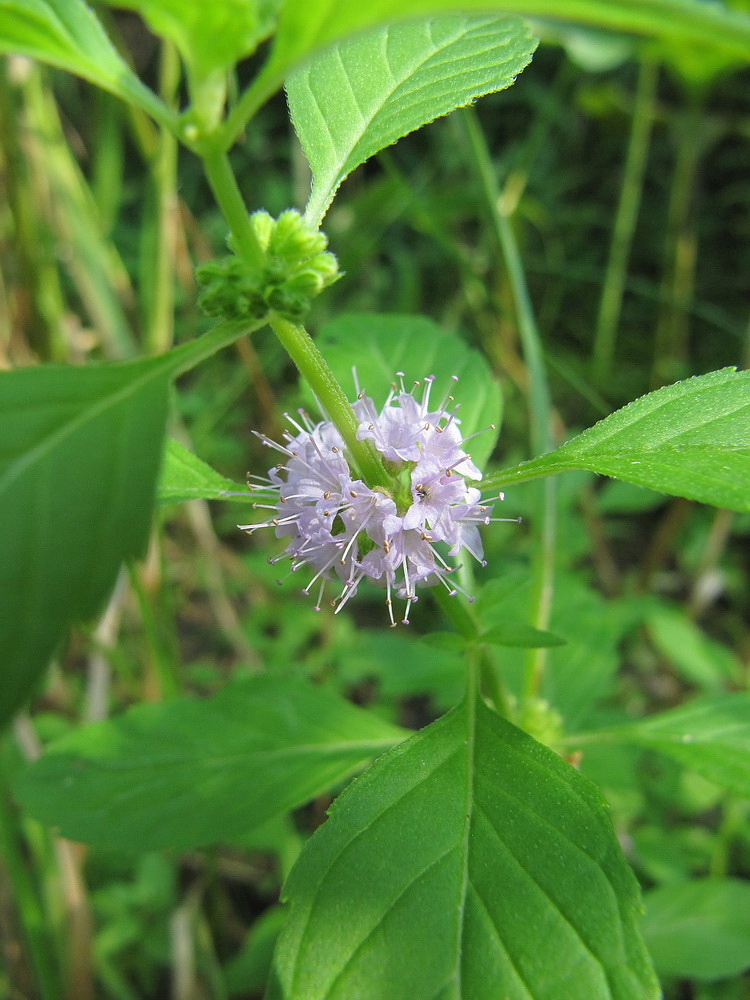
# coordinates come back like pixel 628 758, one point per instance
pixel 473 858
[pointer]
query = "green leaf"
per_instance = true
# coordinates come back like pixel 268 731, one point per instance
pixel 187 773
pixel 468 863
pixel 515 634
pixel 185 477
pixel 699 929
pixel 691 439
pixel 306 28
pixel 579 673
pixel 364 93
pixel 377 346
pixel 210 37
pixel 79 457
pixel 66 34
pixel 696 657
pixel 710 735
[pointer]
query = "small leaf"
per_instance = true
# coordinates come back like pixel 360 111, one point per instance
pixel 466 864
pixel 79 456
pixel 188 773
pixel 415 72
pixel 185 477
pixel 691 439
pixel 66 34
pixel 710 735
pixel 376 346
pixel 515 634
pixel 699 929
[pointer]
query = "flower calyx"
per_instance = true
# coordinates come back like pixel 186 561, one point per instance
pixel 295 268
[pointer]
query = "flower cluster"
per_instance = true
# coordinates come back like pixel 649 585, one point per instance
pixel 342 528
pixel 294 270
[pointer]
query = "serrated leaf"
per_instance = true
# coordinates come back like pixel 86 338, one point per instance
pixel 66 34
pixel 710 735
pixel 364 93
pixel 690 439
pixel 699 929
pixel 306 28
pixel 468 863
pixel 185 477
pixel 79 456
pixel 379 345
pixel 188 773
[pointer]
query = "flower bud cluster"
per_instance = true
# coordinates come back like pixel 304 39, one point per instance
pixel 294 270
pixel 397 534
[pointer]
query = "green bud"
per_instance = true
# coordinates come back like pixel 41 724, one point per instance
pixel 263 226
pixel 296 269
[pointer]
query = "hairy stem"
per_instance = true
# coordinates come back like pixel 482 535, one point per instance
pixel 544 521
pixel 313 366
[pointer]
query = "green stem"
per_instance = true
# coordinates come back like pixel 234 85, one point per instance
pixel 224 186
pixel 159 319
pixel 313 366
pixel 610 304
pixel 17 883
pixel 461 615
pixel 263 87
pixel 544 521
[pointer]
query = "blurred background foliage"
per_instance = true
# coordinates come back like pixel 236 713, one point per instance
pixel 625 169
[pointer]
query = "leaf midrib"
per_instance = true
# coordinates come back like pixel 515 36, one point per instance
pixel 322 193
pixel 73 424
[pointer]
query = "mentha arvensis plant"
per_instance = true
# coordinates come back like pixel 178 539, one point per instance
pixel 391 532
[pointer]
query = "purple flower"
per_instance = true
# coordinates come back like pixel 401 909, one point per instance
pixel 398 534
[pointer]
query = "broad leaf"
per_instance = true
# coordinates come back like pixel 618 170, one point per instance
pixel 413 73
pixel 468 863
pixel 79 457
pixel 185 477
pixel 305 28
pixel 699 929
pixel 66 34
pixel 187 773
pixel 691 439
pixel 377 346
pixel 711 736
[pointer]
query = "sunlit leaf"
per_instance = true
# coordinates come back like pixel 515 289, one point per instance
pixel 366 92
pixel 691 439
pixel 190 772
pixel 79 456
pixel 468 863
pixel 307 27
pixel 66 34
